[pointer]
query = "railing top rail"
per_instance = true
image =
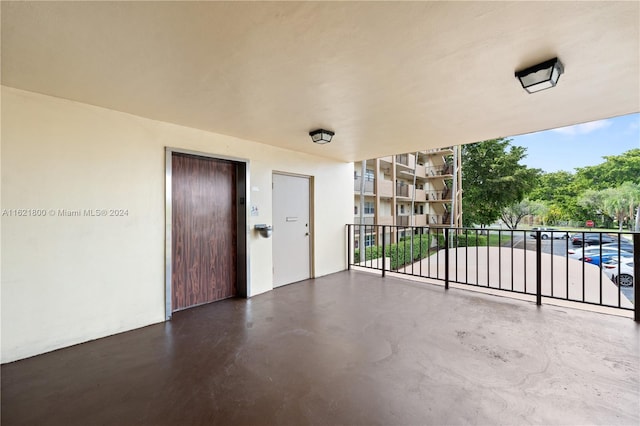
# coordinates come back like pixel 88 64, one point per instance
pixel 624 232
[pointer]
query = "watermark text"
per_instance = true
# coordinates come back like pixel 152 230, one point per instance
pixel 65 212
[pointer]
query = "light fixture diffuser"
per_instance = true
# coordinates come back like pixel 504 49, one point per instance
pixel 542 76
pixel 321 136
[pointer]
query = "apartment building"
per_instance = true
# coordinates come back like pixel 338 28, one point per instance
pixel 408 189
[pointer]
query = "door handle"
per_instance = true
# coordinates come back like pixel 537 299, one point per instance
pixel 306 234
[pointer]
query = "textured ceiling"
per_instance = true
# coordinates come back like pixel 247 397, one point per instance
pixel 387 77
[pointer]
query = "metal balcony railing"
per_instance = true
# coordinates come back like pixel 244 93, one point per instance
pixel 439 219
pixel 539 264
pixel 402 190
pixel 402 159
pixel 439 195
pixel 403 220
pixel 446 150
pixel 439 170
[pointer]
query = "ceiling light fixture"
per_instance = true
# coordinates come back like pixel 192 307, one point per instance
pixel 542 76
pixel 321 136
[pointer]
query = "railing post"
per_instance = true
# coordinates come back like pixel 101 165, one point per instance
pixel 538 268
pixel 446 259
pixel 384 247
pixel 636 274
pixel 348 247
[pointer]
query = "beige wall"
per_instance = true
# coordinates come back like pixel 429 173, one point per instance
pixel 385 208
pixel 67 280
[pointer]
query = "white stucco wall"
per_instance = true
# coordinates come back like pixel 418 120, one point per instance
pixel 66 280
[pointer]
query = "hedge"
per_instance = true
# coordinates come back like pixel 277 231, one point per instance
pixel 470 239
pixel 400 253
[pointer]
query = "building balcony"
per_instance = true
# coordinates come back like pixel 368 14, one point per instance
pixel 420 220
pixel 403 220
pixel 444 171
pixel 406 160
pixel 385 220
pixel 369 185
pixel 385 188
pixel 439 196
pixel 404 191
pixel 421 195
pixel 448 150
pixel 406 174
pixel 366 220
pixel 388 159
pixel 439 220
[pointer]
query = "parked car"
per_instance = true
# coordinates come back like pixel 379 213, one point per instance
pixel 590 251
pixel 625 245
pixel 546 233
pixel 591 238
pixel 597 258
pixel 620 272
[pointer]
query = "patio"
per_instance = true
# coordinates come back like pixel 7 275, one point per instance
pixel 347 348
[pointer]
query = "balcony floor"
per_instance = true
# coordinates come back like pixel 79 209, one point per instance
pixel 349 348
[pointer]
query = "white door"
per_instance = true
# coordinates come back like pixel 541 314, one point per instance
pixel 291 229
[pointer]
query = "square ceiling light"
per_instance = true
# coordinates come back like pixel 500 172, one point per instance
pixel 542 76
pixel 321 136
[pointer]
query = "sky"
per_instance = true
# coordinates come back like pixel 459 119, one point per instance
pixel 581 145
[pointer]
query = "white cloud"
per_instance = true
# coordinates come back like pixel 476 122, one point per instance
pixel 584 128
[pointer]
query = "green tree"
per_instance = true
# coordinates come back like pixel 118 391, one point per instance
pixel 615 204
pixel 493 178
pixel 512 215
pixel 613 172
pixel 634 206
pixel 592 202
pixel 554 186
pixel 570 196
pixel 551 215
pixel 559 192
pixel 619 203
pixel 628 199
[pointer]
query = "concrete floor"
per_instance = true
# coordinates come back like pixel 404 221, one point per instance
pixel 349 348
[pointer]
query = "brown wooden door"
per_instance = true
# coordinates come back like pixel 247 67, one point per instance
pixel 204 224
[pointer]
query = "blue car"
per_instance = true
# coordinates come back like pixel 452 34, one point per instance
pixel 595 258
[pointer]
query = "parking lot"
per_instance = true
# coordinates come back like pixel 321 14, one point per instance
pixel 557 247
